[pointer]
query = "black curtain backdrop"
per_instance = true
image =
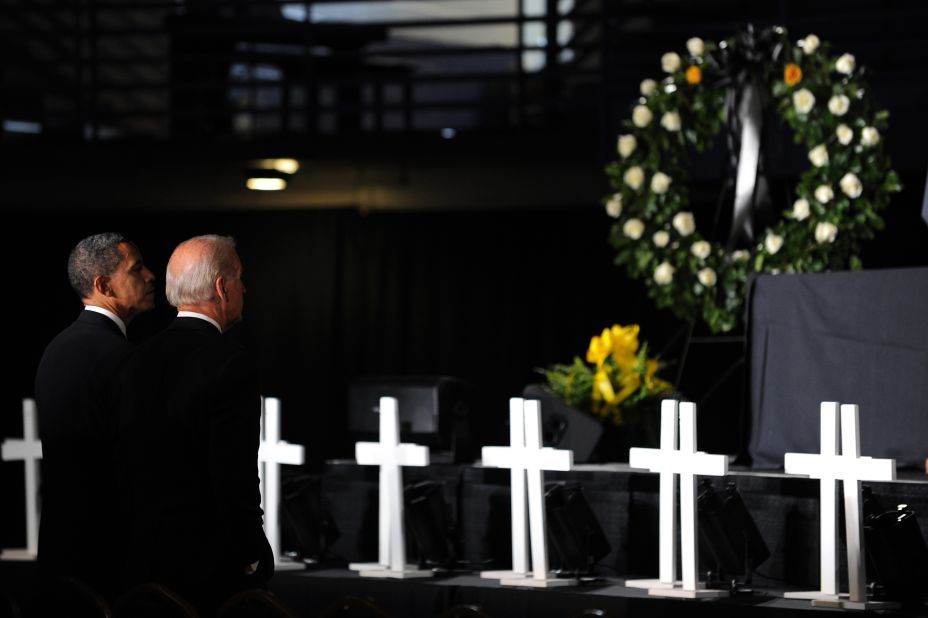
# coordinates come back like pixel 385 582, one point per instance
pixel 487 295
pixel 334 294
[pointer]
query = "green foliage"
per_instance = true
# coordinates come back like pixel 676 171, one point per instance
pixel 571 383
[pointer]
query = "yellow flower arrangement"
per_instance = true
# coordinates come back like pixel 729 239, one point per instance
pixel 618 374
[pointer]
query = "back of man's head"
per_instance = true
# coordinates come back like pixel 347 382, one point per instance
pixel 194 267
pixel 94 256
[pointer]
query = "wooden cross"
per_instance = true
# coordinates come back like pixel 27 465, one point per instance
pixel 272 452
pixel 849 467
pixel 29 451
pixel 512 457
pixel 391 456
pixel 536 459
pixel 670 461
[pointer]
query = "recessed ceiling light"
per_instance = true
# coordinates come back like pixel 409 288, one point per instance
pixel 266 184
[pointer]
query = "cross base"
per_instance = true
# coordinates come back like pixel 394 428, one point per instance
pixel 503 574
pixel 532 582
pixel 812 595
pixel 367 566
pixel 17 555
pixel 410 572
pixel 649 584
pixel 683 593
pixel 658 588
pixel 843 602
pixel 288 565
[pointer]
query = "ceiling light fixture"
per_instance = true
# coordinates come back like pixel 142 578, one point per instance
pixel 271 174
pixel 284 166
pixel 263 183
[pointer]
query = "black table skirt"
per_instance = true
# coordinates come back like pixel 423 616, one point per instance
pixel 310 592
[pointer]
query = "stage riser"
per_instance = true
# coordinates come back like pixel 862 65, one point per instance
pixel 786 511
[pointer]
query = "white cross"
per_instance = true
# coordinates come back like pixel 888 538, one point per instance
pixel 391 455
pixel 535 460
pixel 851 468
pixel 512 457
pixel 687 462
pixel 29 451
pixel 272 451
pixel 817 466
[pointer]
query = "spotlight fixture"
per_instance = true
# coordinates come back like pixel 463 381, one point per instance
pixel 284 166
pixel 428 518
pixel 574 531
pixel 730 543
pixel 271 174
pixel 265 183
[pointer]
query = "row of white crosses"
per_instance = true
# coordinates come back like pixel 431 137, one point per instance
pixel 525 457
pixel 271 453
pixel 527 461
pixel 677 456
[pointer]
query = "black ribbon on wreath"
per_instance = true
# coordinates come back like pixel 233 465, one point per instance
pixel 741 66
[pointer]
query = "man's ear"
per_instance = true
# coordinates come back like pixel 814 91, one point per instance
pixel 101 284
pixel 220 288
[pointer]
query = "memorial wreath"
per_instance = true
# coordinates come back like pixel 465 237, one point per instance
pixel 823 98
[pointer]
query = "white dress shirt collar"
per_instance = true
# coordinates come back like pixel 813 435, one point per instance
pixel 110 315
pixel 194 314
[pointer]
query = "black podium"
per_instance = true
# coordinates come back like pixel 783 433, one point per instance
pixel 851 337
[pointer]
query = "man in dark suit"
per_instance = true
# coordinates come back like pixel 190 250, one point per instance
pixel 191 412
pixel 77 422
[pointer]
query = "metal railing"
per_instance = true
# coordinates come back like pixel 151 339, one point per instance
pixel 162 69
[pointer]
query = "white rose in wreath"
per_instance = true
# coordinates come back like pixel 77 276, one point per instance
pixel 809 44
pixel 670 62
pixel 614 206
pixel 824 194
pixel 869 136
pixel 706 277
pixel 839 104
pixel 642 116
pixel 803 101
pixel 819 156
pixel 633 177
pixel 648 87
pixel 626 145
pixel 684 223
pixel 660 239
pixel 696 46
pixel 845 134
pixel 671 121
pixel 633 228
pixel 801 209
pixel 660 182
pixel 825 232
pixel 773 242
pixel 851 185
pixel 740 255
pixel 663 274
pixel 701 249
pixel 845 64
